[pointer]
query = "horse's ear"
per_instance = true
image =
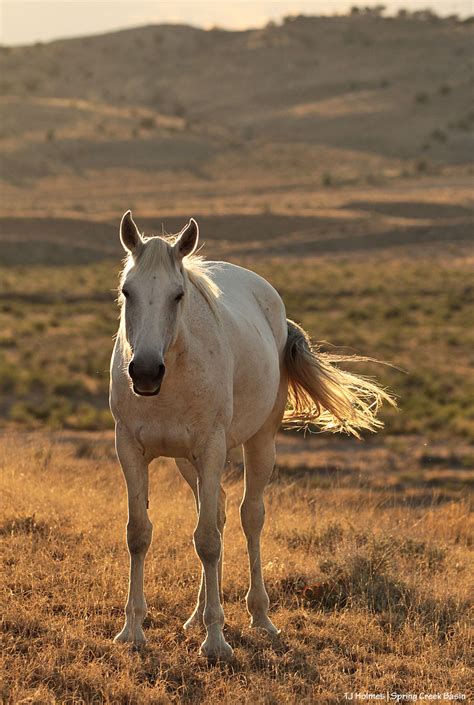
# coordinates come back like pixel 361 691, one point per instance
pixel 129 234
pixel 187 240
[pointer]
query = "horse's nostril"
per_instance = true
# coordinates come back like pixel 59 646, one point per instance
pixel 146 376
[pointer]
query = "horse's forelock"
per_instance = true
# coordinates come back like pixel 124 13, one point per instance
pixel 156 253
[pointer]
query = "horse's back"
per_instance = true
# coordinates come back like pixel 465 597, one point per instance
pixel 251 302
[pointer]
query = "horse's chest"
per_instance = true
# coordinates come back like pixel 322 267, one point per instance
pixel 164 434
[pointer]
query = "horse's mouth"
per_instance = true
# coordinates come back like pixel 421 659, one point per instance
pixel 143 393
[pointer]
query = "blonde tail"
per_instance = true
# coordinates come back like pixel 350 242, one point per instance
pixel 321 394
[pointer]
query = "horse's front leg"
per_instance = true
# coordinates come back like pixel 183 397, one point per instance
pixel 208 543
pixel 139 531
pixel 189 472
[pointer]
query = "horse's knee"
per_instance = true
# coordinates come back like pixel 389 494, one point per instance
pixel 139 537
pixel 252 515
pixel 208 545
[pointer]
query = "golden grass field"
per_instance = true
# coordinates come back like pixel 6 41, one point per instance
pixel 328 164
pixel 366 553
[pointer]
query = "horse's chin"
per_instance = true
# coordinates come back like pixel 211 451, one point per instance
pixel 142 393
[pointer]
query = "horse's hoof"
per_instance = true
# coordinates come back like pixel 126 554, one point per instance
pixel 125 637
pixel 266 624
pixel 217 651
pixel 195 620
pixel 122 637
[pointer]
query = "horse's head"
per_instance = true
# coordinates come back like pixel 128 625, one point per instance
pixel 153 289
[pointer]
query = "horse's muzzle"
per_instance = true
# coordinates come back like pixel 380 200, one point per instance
pixel 146 381
pixel 142 393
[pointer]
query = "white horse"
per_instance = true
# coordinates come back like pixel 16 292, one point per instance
pixel 205 360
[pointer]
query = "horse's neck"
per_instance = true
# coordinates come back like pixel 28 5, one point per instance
pixel 192 325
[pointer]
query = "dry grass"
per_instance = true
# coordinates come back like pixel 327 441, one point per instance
pixel 367 570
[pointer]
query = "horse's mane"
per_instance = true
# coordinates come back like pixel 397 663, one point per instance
pixel 195 269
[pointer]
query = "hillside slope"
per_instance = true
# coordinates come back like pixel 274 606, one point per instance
pixel 367 95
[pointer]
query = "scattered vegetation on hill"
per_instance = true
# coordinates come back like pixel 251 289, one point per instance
pixel 303 98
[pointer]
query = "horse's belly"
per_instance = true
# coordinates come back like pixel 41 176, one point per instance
pixel 255 392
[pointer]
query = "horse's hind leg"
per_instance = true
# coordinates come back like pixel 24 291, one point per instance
pixel 259 457
pixel 188 471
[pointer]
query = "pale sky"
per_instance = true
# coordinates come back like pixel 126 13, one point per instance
pixel 27 21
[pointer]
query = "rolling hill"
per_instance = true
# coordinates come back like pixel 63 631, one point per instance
pixel 159 114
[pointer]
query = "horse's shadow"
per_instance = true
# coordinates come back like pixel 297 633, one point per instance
pixel 267 653
pixel 255 652
pixel 258 647
pixel 256 639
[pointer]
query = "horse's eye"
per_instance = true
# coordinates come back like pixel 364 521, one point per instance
pixel 179 296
